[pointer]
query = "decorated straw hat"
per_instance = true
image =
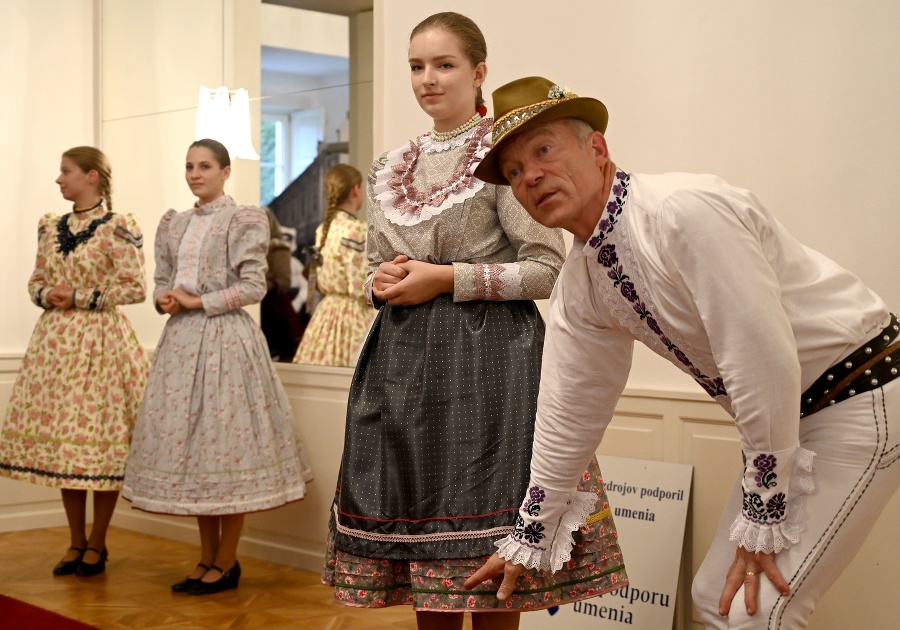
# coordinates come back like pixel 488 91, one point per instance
pixel 527 103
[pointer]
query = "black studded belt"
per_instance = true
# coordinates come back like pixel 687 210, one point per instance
pixel 874 364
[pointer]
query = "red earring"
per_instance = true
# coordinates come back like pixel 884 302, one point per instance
pixel 481 109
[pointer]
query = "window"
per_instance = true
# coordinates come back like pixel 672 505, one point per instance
pixel 274 151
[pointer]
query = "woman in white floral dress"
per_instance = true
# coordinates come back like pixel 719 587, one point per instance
pixel 75 400
pixel 215 436
pixel 340 320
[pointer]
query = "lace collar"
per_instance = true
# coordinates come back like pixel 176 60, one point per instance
pixel 403 203
pixel 68 241
pixel 224 201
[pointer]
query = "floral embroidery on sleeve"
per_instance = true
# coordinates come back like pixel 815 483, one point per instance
pixel 771 515
pixel 757 509
pixel 532 532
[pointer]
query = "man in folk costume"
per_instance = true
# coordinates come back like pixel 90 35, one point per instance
pixel 795 348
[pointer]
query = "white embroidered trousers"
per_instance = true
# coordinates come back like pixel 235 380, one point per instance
pixel 857 446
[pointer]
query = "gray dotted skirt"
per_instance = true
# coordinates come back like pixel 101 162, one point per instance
pixel 439 430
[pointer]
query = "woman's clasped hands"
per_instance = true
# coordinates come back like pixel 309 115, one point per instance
pixel 172 302
pixel 405 282
pixel 62 296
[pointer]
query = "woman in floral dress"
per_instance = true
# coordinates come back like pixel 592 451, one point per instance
pixel 442 405
pixel 340 320
pixel 75 400
pixel 215 436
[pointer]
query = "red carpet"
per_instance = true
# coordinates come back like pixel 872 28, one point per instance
pixel 22 616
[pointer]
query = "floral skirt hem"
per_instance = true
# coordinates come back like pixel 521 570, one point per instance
pixel 596 567
pixel 63 481
pixel 438 586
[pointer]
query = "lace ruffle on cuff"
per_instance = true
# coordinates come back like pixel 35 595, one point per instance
pixel 534 542
pixel 367 289
pixel 772 516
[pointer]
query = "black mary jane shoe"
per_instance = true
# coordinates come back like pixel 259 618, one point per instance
pixel 228 580
pixel 184 585
pixel 68 567
pixel 87 570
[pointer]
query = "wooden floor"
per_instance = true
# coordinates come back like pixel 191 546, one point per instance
pixel 134 592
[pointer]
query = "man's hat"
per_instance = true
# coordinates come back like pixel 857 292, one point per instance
pixel 528 102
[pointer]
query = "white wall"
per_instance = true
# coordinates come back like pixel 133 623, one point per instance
pixel 47 65
pixel 795 101
pixel 309 31
pixel 155 57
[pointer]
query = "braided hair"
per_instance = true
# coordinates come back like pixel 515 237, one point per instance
pixel 339 182
pixel 92 159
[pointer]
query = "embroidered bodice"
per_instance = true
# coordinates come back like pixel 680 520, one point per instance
pixel 216 251
pixel 343 270
pixel 96 252
pixel 424 202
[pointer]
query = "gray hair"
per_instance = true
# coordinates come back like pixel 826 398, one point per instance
pixel 580 129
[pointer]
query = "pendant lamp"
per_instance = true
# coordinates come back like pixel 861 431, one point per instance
pixel 224 114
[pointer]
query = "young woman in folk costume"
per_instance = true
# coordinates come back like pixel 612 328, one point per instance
pixel 75 400
pixel 442 405
pixel 340 320
pixel 215 436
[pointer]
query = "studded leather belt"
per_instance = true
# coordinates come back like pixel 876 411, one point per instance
pixel 872 365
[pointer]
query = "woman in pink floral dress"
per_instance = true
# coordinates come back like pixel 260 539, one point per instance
pixel 215 436
pixel 340 320
pixel 75 400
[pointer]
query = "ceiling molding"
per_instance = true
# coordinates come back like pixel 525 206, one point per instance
pixel 337 7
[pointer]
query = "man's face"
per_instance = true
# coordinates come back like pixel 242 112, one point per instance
pixel 554 175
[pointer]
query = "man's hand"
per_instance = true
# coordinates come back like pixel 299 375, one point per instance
pixel 747 570
pixel 422 282
pixel 494 566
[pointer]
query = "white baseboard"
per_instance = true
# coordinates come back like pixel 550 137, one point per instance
pixel 33 518
pixel 300 554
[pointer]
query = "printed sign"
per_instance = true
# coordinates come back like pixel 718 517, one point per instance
pixel 649 501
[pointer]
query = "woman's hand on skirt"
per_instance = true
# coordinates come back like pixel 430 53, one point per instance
pixel 495 566
pixel 747 570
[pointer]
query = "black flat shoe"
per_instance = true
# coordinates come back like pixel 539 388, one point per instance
pixel 184 585
pixel 68 567
pixel 87 570
pixel 228 580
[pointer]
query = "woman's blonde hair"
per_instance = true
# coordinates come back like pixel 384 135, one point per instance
pixel 91 159
pixel 470 37
pixel 339 182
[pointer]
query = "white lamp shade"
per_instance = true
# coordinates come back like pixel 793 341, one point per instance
pixel 225 116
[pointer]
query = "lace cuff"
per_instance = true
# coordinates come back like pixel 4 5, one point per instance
pixel 771 517
pixel 491 281
pixel 542 536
